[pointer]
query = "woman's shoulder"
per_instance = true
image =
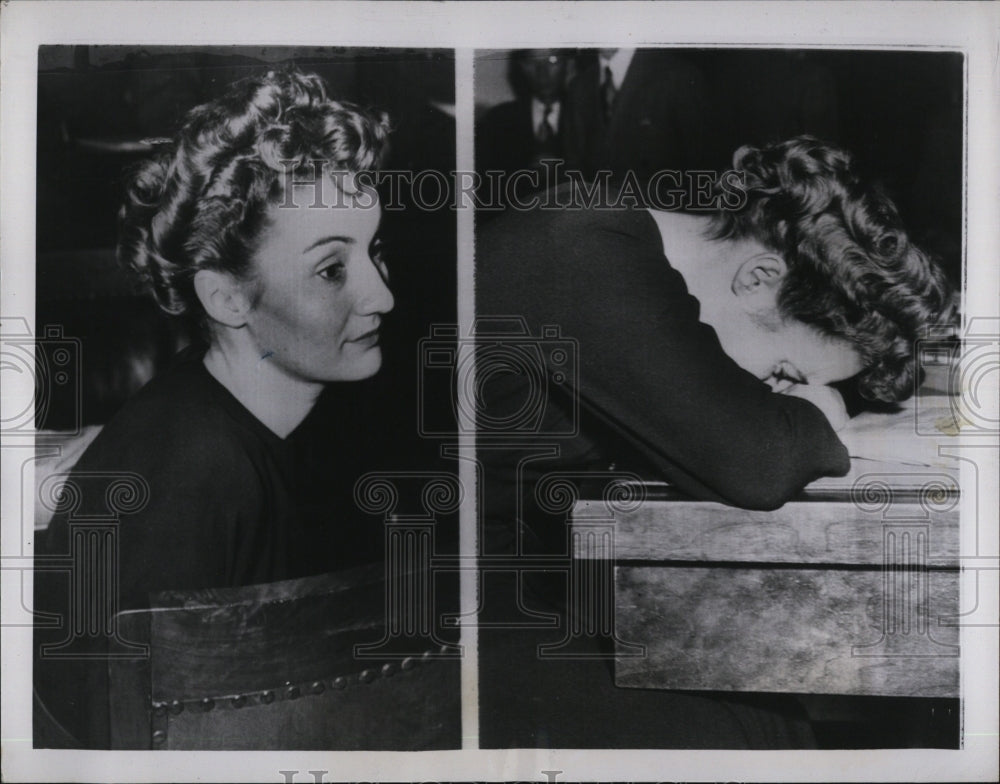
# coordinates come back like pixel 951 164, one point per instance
pixel 622 219
pixel 579 237
pixel 547 260
pixel 180 417
pixel 179 397
pixel 570 210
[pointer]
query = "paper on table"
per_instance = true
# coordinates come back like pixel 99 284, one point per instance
pixel 911 436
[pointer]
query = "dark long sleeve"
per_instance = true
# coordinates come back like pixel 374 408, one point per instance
pixel 647 368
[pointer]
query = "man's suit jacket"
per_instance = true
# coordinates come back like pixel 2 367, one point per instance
pixel 658 120
pixel 505 139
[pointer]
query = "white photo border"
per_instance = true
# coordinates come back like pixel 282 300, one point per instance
pixel 972 28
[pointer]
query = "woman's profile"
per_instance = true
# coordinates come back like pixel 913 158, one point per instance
pixel 222 225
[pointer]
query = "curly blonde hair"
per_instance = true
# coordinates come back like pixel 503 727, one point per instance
pixel 852 271
pixel 201 201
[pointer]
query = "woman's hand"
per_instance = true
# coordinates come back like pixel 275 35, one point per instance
pixel 826 399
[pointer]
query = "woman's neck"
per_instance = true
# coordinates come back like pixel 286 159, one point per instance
pixel 708 267
pixel 700 260
pixel 275 397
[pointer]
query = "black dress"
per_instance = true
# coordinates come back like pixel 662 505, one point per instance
pixel 647 389
pixel 200 494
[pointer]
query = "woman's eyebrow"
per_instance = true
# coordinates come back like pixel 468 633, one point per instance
pixel 327 240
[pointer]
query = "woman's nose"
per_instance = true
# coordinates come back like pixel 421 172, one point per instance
pixel 374 295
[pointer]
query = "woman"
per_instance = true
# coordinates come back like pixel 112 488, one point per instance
pixel 223 226
pixel 687 323
pixel 685 327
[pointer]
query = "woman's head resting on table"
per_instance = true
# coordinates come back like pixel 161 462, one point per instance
pixel 223 226
pixel 826 279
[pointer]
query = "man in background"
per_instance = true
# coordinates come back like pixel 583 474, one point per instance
pixel 636 110
pixel 519 135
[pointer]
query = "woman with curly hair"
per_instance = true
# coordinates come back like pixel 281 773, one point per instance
pixel 687 323
pixel 223 227
pixel 706 347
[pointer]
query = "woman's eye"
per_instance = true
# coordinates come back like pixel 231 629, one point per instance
pixel 333 272
pixel 790 373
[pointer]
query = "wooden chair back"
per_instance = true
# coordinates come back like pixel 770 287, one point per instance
pixel 276 666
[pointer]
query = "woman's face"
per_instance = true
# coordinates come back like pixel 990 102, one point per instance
pixel 791 352
pixel 321 288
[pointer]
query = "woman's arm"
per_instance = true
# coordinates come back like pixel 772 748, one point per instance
pixel 826 399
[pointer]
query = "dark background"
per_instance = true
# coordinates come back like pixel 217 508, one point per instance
pixel 900 113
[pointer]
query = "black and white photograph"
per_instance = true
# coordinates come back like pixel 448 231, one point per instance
pixel 242 311
pixel 488 391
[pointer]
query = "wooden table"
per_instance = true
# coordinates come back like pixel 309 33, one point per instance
pixel 852 588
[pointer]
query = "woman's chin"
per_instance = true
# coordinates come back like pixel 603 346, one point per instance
pixel 361 368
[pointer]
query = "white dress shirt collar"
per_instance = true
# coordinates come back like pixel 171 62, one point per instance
pixel 618 63
pixel 538 114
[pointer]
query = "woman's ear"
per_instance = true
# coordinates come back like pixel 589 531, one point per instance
pixel 223 297
pixel 758 279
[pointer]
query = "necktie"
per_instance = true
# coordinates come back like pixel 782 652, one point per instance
pixel 608 92
pixel 545 132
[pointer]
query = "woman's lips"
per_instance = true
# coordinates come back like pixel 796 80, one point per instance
pixel 368 339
